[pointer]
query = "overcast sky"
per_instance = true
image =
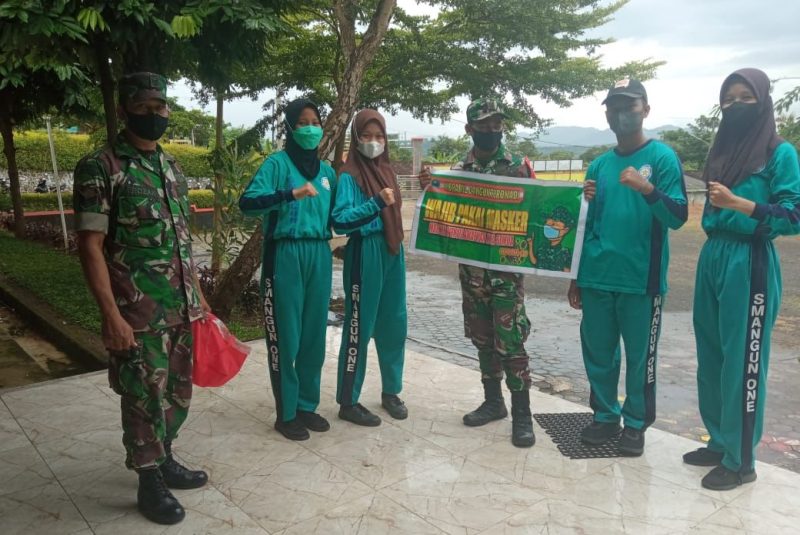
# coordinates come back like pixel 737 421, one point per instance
pixel 702 42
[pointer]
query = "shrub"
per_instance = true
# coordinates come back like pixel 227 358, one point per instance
pixel 33 153
pixel 46 202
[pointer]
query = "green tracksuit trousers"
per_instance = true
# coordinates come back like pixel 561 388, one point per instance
pixel 607 316
pixel 736 300
pixel 375 307
pixel 296 285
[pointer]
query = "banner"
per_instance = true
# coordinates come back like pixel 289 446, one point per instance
pixel 519 225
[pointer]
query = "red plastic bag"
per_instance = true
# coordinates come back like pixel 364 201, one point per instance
pixel 218 355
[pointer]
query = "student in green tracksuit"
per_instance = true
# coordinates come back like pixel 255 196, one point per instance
pixel 368 210
pixel 636 193
pixel 753 197
pixel 294 191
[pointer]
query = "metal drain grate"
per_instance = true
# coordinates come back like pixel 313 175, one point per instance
pixel 565 428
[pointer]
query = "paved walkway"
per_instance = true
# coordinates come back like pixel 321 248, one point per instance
pixel 61 468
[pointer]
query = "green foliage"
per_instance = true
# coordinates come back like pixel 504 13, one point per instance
pixel 471 48
pixel 447 146
pixel 399 154
pixel 589 155
pixel 48 202
pixel 234 228
pixel 521 146
pixel 560 155
pixel 28 264
pixel 693 142
pixel 183 122
pixel 33 153
pixel 789 129
pixel 194 161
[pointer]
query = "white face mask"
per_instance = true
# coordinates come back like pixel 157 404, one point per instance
pixel 371 149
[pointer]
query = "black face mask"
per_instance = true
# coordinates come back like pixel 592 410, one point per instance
pixel 487 141
pixel 626 123
pixel 150 126
pixel 740 115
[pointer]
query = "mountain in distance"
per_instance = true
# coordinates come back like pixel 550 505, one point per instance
pixel 577 139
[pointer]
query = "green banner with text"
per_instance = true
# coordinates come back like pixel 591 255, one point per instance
pixel 520 225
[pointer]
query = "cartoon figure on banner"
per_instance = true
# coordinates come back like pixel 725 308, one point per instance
pixel 551 254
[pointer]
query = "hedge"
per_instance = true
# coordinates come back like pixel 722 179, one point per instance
pixel 45 202
pixel 33 153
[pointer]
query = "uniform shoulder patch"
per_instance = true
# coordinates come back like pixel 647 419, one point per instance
pixel 646 171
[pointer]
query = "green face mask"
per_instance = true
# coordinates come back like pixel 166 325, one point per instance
pixel 308 137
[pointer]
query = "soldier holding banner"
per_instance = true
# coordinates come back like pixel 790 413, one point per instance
pixel 494 301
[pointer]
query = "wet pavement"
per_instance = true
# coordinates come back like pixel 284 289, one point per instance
pixel 26 357
pixel 435 320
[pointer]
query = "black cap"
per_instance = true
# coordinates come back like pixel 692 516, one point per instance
pixel 627 87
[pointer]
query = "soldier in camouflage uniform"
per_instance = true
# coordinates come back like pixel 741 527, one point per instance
pixel 131 214
pixel 549 253
pixel 494 301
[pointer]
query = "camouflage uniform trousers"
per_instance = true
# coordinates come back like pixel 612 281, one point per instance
pixel 155 384
pixel 495 321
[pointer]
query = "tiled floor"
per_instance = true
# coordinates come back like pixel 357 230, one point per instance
pixel 61 468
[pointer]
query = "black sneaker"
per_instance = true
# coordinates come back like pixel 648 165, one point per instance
pixel 155 501
pixel 293 429
pixel 359 415
pixel 313 421
pixel 177 476
pixel 394 406
pixel 720 478
pixel 703 457
pixel 597 433
pixel 631 443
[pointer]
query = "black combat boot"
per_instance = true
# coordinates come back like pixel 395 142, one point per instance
pixel 155 501
pixel 493 408
pixel 521 422
pixel 177 476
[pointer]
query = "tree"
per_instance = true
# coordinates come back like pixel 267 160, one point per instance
pixel 560 155
pixel 194 124
pixel 421 64
pixel 522 146
pixel 38 74
pixel 589 155
pixel 693 142
pixel 449 145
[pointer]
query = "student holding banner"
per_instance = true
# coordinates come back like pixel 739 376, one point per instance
pixel 635 192
pixel 494 301
pixel 753 197
pixel 367 209
pixel 294 191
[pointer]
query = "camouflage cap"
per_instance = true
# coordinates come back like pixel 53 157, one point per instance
pixel 139 86
pixel 481 108
pixel 560 213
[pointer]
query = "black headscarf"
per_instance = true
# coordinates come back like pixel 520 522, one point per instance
pixel 735 155
pixel 306 160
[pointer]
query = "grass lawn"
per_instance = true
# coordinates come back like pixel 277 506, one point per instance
pixel 57 278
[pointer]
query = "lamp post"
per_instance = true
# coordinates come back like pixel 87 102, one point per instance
pixel 58 182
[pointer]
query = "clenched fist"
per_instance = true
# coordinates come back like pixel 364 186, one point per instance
pixel 306 190
pixel 387 194
pixel 631 178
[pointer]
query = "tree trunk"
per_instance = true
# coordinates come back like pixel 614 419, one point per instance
pixel 237 276
pixel 359 57
pixel 337 159
pixel 106 88
pixel 7 132
pixel 358 60
pixel 219 191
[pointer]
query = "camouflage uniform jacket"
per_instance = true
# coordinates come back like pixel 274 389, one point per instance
pixel 141 203
pixel 503 163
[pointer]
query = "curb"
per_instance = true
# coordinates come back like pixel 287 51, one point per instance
pixel 75 341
